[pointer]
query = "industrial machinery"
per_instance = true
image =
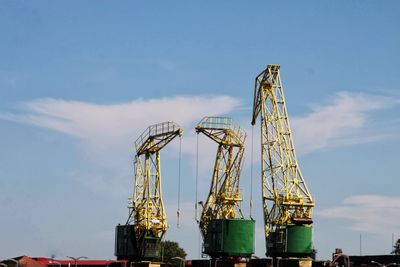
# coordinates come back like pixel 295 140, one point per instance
pixel 287 203
pixel 223 227
pixel 140 237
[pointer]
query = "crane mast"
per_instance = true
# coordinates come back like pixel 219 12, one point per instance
pixel 147 219
pixel 287 202
pixel 222 219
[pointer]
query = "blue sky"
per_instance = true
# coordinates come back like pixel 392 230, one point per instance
pixel 79 81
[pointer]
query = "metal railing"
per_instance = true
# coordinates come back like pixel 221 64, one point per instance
pixel 155 130
pixel 222 123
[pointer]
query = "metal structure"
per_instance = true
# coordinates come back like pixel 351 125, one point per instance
pixel 287 203
pixel 223 204
pixel 147 218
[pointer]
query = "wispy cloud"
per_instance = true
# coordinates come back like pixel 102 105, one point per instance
pixel 107 132
pixel 343 121
pixel 110 129
pixel 106 125
pixel 346 119
pixel 368 213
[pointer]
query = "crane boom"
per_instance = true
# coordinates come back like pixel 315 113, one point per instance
pixel 287 202
pixel 223 205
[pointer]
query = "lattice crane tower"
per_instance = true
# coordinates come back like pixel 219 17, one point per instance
pixel 287 203
pixel 225 231
pixel 147 220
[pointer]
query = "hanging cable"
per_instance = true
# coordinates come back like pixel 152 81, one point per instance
pixel 178 213
pixel 195 206
pixel 197 178
pixel 251 172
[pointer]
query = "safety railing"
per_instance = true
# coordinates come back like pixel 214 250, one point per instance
pixel 221 123
pixel 156 130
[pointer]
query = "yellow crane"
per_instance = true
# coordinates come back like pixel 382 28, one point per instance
pixel 287 202
pixel 223 227
pixel 147 223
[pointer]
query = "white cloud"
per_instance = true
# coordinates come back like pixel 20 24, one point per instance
pixel 106 125
pixel 368 213
pixel 107 132
pixel 343 121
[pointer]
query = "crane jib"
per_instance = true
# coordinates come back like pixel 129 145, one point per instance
pixel 287 203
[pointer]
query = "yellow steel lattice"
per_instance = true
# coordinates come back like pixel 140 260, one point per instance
pixel 224 198
pixel 286 199
pixel 147 209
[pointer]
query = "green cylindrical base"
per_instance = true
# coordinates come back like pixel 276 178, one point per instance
pixel 127 247
pixel 299 239
pixel 230 237
pixel 125 243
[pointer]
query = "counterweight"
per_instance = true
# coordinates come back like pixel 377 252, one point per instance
pixel 287 203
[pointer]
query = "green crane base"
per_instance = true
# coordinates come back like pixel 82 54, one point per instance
pixel 127 248
pixel 229 238
pixel 290 241
pixel 299 239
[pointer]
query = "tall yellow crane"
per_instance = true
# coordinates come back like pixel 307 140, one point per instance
pixel 147 222
pixel 287 202
pixel 223 227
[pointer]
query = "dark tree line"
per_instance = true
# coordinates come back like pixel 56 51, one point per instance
pixel 172 252
pixel 396 248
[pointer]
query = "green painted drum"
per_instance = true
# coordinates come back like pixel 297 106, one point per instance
pixel 299 239
pixel 230 237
